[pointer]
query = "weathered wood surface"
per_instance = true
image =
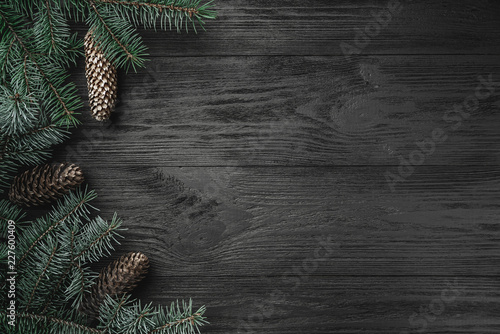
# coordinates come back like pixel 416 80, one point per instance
pixel 240 152
pixel 344 304
pixel 258 221
pixel 318 27
pixel 218 111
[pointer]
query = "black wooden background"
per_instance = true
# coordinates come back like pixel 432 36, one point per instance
pixel 250 163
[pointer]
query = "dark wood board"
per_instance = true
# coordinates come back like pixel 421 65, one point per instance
pixel 260 221
pixel 342 304
pixel 320 27
pixel 239 111
pixel 237 151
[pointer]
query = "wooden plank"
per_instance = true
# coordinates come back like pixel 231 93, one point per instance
pixel 250 222
pixel 320 27
pixel 335 304
pixel 237 111
pixel 256 158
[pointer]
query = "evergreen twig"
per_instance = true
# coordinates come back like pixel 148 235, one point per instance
pixel 38 107
pixel 37 318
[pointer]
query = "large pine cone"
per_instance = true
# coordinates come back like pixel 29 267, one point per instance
pixel 44 184
pixel 119 277
pixel 102 80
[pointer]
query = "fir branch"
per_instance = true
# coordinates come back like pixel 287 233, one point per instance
pixel 7 169
pixel 52 32
pixel 35 106
pixel 56 289
pixel 126 315
pixel 81 200
pixel 40 277
pixel 48 230
pixel 68 113
pixel 19 113
pixel 3 273
pixel 64 275
pixel 47 127
pixel 191 320
pixel 6 58
pixel 179 318
pixel 25 72
pixel 28 53
pixel 72 246
pixel 95 239
pixel 51 25
pixel 177 11
pixel 4 148
pixel 118 40
pixel 81 282
pixel 108 29
pixel 26 7
pixel 9 211
pixel 122 302
pixel 28 156
pixel 94 242
pixel 36 142
pixel 54 320
pixel 52 131
pixel 159 6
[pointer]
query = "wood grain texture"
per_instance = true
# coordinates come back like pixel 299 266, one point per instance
pixel 337 304
pixel 254 158
pixel 344 253
pixel 319 27
pixel 263 221
pixel 219 111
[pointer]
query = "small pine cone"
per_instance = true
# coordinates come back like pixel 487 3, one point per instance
pixel 44 184
pixel 119 277
pixel 102 80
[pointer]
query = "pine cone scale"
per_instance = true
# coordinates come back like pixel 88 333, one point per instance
pixel 102 80
pixel 45 183
pixel 121 276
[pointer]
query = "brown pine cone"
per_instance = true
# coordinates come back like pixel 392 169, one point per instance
pixel 119 277
pixel 102 80
pixel 44 184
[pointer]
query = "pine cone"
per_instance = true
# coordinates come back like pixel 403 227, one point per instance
pixel 119 277
pixel 102 80
pixel 44 183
